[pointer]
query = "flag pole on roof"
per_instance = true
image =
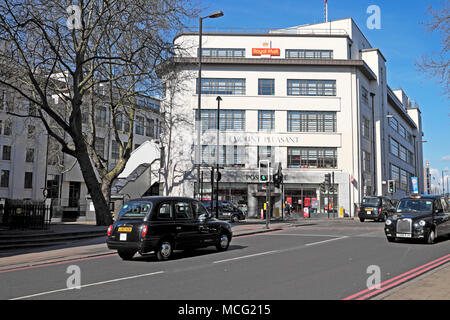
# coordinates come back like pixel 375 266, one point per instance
pixel 326 10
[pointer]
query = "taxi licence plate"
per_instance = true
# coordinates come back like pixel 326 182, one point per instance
pixel 403 235
pixel 125 229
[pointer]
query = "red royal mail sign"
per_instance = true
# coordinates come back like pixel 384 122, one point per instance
pixel 265 52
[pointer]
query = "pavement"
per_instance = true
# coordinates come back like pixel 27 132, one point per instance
pixel 434 285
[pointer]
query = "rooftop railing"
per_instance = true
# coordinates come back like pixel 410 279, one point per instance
pixel 288 31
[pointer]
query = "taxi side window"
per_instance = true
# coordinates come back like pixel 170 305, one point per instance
pixel 165 211
pixel 445 205
pixel 437 205
pixel 199 209
pixel 183 210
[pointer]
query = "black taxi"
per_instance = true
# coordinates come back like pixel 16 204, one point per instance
pixel 164 224
pixel 375 208
pixel 419 217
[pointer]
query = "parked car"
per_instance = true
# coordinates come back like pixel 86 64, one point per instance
pixel 164 224
pixel 227 211
pixel 375 208
pixel 419 217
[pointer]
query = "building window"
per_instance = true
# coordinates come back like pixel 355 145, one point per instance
pixel 115 151
pixel 31 132
pixel 311 87
pixel 402 131
pixel 266 87
pixel 366 161
pixel 395 174
pixel 53 186
pixel 230 120
pixel 4 179
pixel 28 183
pixel 223 86
pixel 364 96
pixel 299 157
pixel 229 156
pixel 8 128
pixel 100 117
pixel 394 147
pixel 223 53
pixel 366 128
pixel 305 121
pixel 266 120
pixel 6 155
pixel 100 146
pixel 139 126
pixel 393 123
pixel 29 155
pixel 266 153
pixel 308 54
pixel 150 129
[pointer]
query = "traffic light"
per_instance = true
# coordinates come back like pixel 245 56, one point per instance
pixel 328 179
pixel 278 177
pixel 218 176
pixel 391 186
pixel 323 188
pixel 264 171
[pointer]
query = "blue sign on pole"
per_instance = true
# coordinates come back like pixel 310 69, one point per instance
pixel 415 184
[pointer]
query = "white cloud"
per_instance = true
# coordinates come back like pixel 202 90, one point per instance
pixel 446 158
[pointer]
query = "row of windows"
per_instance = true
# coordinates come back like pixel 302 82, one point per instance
pixel 401 130
pixel 401 152
pixel 6 154
pixel 297 121
pixel 289 53
pixel 4 179
pixel 298 157
pixel 401 177
pixel 142 125
pixel 295 87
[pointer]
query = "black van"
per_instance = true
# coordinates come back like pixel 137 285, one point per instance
pixel 375 208
pixel 163 224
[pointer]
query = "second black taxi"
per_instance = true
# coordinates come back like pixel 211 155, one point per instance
pixel 163 224
pixel 424 217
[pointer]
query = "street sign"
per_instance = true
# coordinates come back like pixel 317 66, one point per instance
pixel 415 184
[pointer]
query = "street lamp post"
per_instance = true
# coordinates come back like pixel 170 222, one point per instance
pixel 217 155
pixel 213 15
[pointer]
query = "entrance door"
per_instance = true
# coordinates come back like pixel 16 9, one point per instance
pixel 74 194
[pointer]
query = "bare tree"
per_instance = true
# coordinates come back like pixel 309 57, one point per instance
pixel 62 56
pixel 437 64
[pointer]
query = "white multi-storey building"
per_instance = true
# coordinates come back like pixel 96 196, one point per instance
pixel 313 98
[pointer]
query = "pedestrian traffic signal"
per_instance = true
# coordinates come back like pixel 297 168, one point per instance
pixel 264 171
pixel 218 176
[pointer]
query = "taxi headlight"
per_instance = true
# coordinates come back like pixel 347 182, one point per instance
pixel 422 223
pixel 388 222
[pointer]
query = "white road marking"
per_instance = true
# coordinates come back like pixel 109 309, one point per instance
pixel 88 285
pixel 305 235
pixel 324 241
pixel 284 250
pixel 248 256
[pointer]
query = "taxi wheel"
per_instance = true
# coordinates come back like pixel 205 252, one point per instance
pixel 391 239
pixel 235 219
pixel 361 219
pixel 431 237
pixel 126 254
pixel 165 250
pixel 224 242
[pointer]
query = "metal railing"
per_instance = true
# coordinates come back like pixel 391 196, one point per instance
pixel 23 214
pixel 293 30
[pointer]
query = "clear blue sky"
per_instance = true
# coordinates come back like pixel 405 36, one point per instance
pixel 402 39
